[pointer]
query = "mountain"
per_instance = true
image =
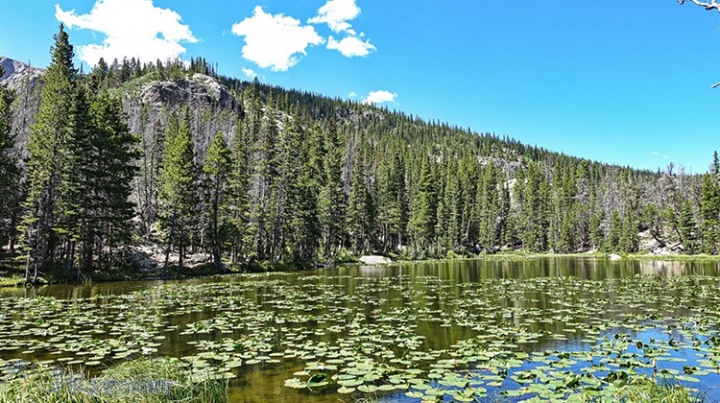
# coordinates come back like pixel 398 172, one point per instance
pixel 275 174
pixel 16 73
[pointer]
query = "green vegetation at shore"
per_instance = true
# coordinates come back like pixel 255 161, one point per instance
pixel 160 380
pixel 11 278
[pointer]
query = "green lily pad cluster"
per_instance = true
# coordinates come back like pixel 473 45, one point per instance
pixel 417 334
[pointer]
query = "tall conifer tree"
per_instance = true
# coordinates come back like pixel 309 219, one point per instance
pixel 9 173
pixel 177 180
pixel 217 171
pixel 47 155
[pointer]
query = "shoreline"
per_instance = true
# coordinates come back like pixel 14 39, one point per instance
pixel 13 279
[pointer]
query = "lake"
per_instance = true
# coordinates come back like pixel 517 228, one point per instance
pixel 460 330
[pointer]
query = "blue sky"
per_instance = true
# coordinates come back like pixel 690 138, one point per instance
pixel 624 82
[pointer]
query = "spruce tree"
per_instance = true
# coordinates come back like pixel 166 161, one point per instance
pixel 489 193
pixel 74 191
pixel 239 187
pixel 361 209
pixel 9 173
pixel 287 224
pixel 217 171
pixel 46 157
pixel 687 228
pixel 452 205
pixel 307 220
pixel 612 242
pixel 534 213
pixel 332 200
pixel 424 212
pixel 110 174
pixel 177 192
pixel 710 208
pixel 392 204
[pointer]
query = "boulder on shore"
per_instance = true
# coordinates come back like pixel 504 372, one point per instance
pixel 614 257
pixel 373 259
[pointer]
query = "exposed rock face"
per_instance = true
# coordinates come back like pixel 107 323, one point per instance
pixel 212 108
pixel 16 73
pixel 199 92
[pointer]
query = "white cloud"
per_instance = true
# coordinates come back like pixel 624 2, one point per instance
pixel 249 73
pixel 379 97
pixel 336 14
pixel 657 154
pixel 274 41
pixel 133 28
pixel 352 95
pixel 351 46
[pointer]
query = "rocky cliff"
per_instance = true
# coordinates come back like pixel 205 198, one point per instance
pixel 147 103
pixel 17 73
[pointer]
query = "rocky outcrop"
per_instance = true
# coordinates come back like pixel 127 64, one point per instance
pixel 18 73
pixel 197 92
pixel 212 108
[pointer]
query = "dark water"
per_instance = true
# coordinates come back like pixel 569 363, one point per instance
pixel 446 302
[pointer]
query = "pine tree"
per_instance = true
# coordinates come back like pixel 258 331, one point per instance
pixel 423 213
pixel 177 180
pixel 392 204
pixel 470 220
pixel 217 171
pixel 534 213
pixel 361 209
pixel 489 193
pixel 9 172
pixel 239 188
pixel 266 171
pixel 74 188
pixel 596 235
pixel 452 206
pixel 288 224
pixel 687 228
pixel 612 242
pixel 46 157
pixel 332 200
pixel 108 174
pixel 306 224
pixel 710 208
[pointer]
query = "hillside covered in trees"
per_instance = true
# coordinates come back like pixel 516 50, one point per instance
pixel 94 165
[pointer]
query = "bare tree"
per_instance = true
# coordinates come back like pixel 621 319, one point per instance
pixel 708 5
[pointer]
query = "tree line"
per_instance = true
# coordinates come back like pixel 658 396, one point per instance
pixel 307 179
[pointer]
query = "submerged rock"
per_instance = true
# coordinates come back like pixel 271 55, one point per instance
pixel 373 259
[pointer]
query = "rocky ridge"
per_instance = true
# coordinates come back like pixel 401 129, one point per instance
pixel 16 73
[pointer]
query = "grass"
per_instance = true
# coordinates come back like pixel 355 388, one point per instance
pixel 160 380
pixel 642 390
pixel 650 391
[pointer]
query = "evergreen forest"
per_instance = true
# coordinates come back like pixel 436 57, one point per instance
pixel 91 167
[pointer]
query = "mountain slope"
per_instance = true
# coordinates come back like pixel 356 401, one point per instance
pixel 319 178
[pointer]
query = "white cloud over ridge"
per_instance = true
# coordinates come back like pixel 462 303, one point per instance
pixel 249 73
pixel 336 14
pixel 351 46
pixel 133 28
pixel 379 97
pixel 275 41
